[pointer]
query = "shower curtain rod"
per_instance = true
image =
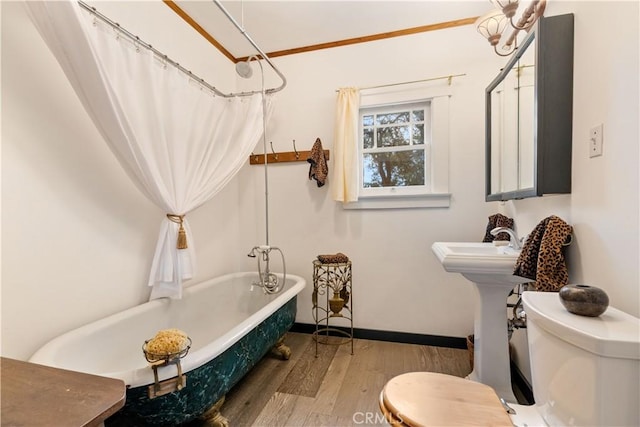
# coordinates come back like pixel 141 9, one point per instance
pixel 175 64
pixel 449 77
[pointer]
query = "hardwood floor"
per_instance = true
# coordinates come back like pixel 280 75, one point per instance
pixel 334 389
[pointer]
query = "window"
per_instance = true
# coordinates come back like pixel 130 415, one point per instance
pixel 403 150
pixel 394 148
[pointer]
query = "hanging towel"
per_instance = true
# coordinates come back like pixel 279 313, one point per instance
pixel 542 259
pixel 338 258
pixel 318 169
pixel 497 220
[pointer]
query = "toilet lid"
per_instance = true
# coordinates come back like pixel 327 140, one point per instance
pixel 431 399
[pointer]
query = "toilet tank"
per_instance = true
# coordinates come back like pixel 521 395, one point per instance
pixel 585 370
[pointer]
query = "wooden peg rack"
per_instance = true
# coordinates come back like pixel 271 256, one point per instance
pixel 283 157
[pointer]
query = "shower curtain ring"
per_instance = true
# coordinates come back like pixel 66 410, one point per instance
pixel 275 155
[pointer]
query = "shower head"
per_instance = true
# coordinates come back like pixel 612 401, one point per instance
pixel 244 69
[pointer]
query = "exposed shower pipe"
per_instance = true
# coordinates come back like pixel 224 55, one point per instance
pixel 245 71
pixel 266 279
pixel 256 47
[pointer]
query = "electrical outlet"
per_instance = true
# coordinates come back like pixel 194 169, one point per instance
pixel 595 141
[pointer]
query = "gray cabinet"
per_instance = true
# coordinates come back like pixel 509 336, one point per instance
pixel 529 108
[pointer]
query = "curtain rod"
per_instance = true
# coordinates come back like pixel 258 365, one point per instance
pixel 147 46
pixel 164 57
pixel 449 78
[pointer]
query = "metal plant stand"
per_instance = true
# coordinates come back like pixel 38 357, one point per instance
pixel 332 282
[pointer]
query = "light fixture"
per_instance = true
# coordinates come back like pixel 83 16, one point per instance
pixel 493 24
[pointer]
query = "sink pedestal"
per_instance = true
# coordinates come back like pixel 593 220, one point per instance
pixel 490 269
pixel 491 362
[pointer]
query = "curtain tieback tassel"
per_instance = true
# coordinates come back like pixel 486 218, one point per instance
pixel 182 235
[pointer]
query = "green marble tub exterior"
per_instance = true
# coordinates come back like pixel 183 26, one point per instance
pixel 207 383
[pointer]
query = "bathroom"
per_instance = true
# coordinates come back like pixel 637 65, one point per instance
pixel 77 234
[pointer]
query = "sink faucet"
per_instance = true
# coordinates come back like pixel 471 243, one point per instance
pixel 514 241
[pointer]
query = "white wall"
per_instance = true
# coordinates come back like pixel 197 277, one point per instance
pixel 77 235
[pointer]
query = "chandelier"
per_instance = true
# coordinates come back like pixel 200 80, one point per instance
pixel 493 24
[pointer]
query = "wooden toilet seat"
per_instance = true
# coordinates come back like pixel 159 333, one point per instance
pixel 420 399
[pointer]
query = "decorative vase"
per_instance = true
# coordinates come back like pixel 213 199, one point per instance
pixel 344 294
pixel 336 303
pixel 584 300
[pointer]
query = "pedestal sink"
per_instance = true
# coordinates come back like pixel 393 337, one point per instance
pixel 490 269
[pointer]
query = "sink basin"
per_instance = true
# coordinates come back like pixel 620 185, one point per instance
pixel 490 269
pixel 481 249
pixel 478 258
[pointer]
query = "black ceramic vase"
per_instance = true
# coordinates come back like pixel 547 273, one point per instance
pixel 584 300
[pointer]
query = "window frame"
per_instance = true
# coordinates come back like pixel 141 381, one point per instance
pixel 438 195
pixel 396 107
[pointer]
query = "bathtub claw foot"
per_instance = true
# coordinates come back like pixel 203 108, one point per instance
pixel 281 349
pixel 213 417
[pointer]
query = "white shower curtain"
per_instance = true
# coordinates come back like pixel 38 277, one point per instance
pixel 344 182
pixel 179 144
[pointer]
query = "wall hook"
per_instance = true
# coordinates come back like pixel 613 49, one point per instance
pixel 296 151
pixel 568 240
pixel 282 157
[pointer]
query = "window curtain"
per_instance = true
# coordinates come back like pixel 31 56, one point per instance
pixel 178 143
pixel 344 187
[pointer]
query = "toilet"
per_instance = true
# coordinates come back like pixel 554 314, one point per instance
pixel 585 371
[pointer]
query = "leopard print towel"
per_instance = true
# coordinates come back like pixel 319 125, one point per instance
pixel 318 169
pixel 497 220
pixel 542 259
pixel 338 258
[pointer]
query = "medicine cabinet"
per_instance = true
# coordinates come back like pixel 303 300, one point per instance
pixel 529 109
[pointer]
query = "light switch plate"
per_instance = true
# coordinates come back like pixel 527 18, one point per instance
pixel 595 141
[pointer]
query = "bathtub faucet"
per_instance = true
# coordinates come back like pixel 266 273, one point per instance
pixel 267 280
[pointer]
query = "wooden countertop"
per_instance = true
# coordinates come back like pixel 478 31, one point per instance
pixel 37 395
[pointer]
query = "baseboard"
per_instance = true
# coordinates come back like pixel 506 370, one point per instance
pixel 392 336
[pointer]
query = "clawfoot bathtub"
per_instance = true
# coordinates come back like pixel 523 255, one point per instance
pixel 231 327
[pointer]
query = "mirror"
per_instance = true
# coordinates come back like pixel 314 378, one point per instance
pixel 528 116
pixel 512 125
